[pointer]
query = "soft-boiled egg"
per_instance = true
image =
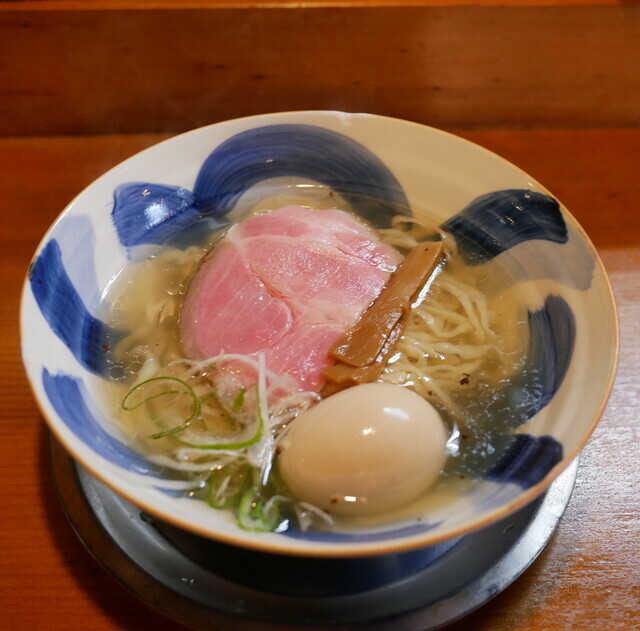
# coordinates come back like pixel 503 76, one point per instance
pixel 364 450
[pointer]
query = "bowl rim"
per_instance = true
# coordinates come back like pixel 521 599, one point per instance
pixel 294 547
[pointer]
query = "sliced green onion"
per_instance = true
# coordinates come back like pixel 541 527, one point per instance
pixel 239 400
pixel 252 514
pixel 189 391
pixel 154 396
pixel 151 398
pixel 239 481
pixel 231 445
pixel 174 430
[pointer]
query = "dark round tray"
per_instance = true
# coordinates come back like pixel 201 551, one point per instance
pixel 210 586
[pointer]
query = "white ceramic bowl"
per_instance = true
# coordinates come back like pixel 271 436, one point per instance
pixel 498 215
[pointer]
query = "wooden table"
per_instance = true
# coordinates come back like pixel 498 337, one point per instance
pixel 589 575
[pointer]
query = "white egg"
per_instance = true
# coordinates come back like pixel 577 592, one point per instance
pixel 364 450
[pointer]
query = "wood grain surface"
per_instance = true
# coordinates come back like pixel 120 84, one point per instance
pixel 150 5
pixel 104 68
pixel 588 578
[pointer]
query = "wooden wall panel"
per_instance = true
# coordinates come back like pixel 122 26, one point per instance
pixel 109 5
pixel 123 71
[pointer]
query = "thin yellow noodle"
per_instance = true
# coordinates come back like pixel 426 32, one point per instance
pixel 467 304
pixel 446 315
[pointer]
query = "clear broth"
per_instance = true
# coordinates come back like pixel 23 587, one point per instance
pixel 146 299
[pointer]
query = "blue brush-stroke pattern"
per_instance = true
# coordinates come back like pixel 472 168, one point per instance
pixel 69 398
pixel 151 213
pixel 499 411
pixel 65 312
pixel 303 151
pixel 552 338
pixel 155 214
pixel 525 460
pixel 497 221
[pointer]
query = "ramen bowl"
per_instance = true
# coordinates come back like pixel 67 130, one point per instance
pixel 503 224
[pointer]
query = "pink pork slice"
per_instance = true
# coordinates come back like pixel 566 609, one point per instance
pixel 286 283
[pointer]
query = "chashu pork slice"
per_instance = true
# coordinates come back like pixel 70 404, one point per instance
pixel 286 283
